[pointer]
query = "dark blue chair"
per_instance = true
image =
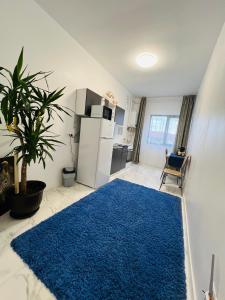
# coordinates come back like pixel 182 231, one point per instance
pixel 175 166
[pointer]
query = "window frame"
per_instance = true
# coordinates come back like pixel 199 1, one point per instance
pixel 165 133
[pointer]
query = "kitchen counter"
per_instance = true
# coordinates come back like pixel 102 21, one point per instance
pixel 129 146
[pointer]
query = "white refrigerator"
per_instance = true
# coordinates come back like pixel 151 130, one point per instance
pixel 95 151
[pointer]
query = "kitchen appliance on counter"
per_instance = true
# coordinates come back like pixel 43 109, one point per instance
pixel 101 111
pixel 95 151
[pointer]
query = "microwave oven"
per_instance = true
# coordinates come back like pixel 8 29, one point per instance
pixel 101 111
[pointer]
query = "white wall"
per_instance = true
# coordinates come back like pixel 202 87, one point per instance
pixel 49 47
pixel 205 189
pixel 150 154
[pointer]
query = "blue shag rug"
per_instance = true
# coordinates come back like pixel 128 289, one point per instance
pixel 124 241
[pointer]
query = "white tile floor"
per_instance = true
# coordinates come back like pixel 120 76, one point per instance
pixel 17 282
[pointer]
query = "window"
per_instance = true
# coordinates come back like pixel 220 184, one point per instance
pixel 162 130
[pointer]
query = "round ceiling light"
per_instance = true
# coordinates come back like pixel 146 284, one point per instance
pixel 146 60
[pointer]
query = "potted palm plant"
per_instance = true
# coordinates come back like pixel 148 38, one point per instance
pixel 28 111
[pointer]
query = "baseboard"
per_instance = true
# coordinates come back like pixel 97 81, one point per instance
pixel 188 258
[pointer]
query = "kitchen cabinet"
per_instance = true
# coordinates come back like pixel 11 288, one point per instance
pixel 129 155
pixel 116 158
pixel 119 158
pixel 119 115
pixel 124 157
pixel 85 98
pixel 133 108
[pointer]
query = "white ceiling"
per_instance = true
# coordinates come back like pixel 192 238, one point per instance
pixel 182 33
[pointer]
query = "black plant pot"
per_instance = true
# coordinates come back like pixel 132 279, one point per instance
pixel 26 205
